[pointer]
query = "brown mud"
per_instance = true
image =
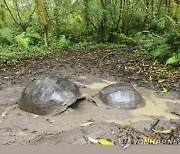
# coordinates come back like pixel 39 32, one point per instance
pixel 90 117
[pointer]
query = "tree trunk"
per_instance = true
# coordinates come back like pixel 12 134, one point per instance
pixel 152 6
pixel 86 14
pixel 56 14
pixel 147 11
pixel 2 18
pixel 44 19
pixel 160 2
pixel 103 29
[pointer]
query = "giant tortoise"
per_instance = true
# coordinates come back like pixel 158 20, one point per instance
pixel 121 95
pixel 50 94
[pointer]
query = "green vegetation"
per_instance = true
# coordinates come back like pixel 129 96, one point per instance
pixel 34 28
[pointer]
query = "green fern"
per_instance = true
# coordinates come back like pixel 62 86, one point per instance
pixel 160 50
pixel 23 40
pixel 174 59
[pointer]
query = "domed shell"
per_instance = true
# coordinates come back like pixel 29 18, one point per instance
pixel 121 95
pixel 46 95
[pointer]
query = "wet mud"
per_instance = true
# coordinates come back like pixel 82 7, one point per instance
pixel 88 118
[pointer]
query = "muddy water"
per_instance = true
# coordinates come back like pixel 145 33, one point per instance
pixel 23 126
pixel 155 106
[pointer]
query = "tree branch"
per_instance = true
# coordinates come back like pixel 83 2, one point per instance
pixel 92 24
pixel 7 7
pixel 30 17
pixel 3 6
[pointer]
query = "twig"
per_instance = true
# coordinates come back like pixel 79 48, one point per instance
pixel 92 24
pixel 155 124
pixel 11 108
pixel 175 113
pixel 3 6
pixel 111 53
pixel 93 100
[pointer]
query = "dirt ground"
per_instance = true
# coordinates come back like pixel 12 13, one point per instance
pixel 91 71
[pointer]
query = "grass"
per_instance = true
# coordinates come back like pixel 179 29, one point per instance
pixel 12 55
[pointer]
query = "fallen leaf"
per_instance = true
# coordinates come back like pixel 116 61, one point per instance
pixel 163 132
pixel 130 68
pixel 6 77
pixel 150 78
pixel 86 124
pixel 52 121
pixel 161 81
pixel 164 90
pixel 149 140
pixel 105 142
pixel 129 122
pixel 93 140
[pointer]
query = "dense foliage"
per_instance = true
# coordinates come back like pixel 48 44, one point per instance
pixel 27 26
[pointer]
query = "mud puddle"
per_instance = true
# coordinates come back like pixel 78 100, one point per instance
pixel 19 127
pixel 156 106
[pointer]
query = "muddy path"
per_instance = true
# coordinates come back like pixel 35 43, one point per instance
pixel 88 118
pixel 122 64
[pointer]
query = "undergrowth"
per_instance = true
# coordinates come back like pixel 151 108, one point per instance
pixel 15 49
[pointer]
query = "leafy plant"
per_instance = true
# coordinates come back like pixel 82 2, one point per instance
pixel 35 38
pixel 158 51
pixel 71 23
pixel 63 42
pixel 121 39
pixel 6 34
pixel 11 55
pixel 22 40
pixel 158 25
pixel 174 59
